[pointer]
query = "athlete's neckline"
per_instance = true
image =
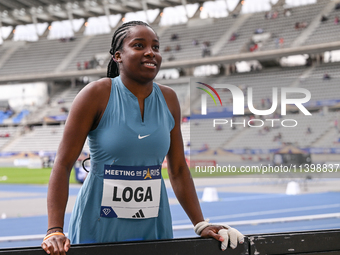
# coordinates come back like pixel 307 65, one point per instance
pixel 127 91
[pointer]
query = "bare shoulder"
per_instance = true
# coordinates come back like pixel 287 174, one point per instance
pixel 91 101
pixel 97 88
pixel 170 98
pixel 168 92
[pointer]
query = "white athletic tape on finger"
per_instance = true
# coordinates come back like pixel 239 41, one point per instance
pixel 229 234
pixel 224 233
pixel 233 235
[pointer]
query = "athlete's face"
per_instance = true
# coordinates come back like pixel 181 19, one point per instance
pixel 140 58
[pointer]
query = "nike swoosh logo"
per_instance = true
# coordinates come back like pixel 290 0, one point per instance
pixel 141 137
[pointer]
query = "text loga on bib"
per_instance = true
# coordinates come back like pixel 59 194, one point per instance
pixel 131 192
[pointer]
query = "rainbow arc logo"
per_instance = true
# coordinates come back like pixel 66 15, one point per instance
pixel 209 93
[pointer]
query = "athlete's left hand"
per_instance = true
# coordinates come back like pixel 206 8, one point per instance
pixel 224 234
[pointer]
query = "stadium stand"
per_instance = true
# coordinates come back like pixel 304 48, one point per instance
pixel 209 31
pixel 37 57
pixel 327 30
pixel 255 138
pixel 7 134
pixel 45 138
pixel 38 138
pixel 66 55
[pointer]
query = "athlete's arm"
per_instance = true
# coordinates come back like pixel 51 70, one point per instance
pixel 178 170
pixel 84 115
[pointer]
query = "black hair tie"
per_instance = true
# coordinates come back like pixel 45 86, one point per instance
pixel 83 163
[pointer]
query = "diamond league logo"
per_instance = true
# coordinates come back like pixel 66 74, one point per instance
pixel 239 104
pixel 106 211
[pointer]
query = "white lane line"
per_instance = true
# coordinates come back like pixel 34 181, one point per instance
pixel 299 227
pixel 298 209
pixel 263 221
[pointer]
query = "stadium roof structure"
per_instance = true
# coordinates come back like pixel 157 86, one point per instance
pixel 18 12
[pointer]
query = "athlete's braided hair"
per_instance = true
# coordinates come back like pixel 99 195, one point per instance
pixel 117 44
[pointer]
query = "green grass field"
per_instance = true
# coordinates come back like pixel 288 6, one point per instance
pixel 16 175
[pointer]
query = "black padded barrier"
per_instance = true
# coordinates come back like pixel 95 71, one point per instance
pixel 185 246
pixel 325 242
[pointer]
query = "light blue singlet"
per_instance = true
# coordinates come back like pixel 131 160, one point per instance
pixel 122 138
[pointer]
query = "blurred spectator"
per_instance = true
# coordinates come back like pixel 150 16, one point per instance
pixel 61 101
pixel 167 48
pixel 324 18
pixel 287 12
pixel 250 121
pixel 174 37
pixel 263 103
pixel 64 109
pixel 206 49
pixel 326 76
pixel 281 41
pixel 336 20
pixel 68 39
pixel 267 15
pixel 275 15
pixel 195 42
pixel 205 146
pixel 337 6
pixel 278 137
pixel 269 101
pixel 178 47
pixel 336 124
pixel 309 130
pixel 271 15
pixel 309 61
pixel 300 25
pixel 78 66
pixel 218 127
pixel 253 47
pixel 233 37
pixel 303 25
pixel 259 31
pixel 93 63
pixel 86 64
pixel 171 57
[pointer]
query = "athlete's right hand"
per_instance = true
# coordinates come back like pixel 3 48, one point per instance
pixel 56 245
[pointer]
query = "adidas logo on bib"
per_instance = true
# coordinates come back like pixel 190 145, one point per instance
pixel 139 214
